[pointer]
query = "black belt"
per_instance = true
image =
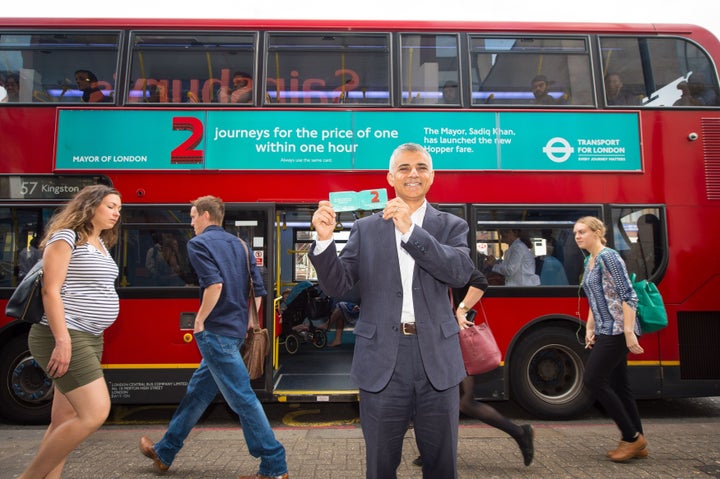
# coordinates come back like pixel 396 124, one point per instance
pixel 408 328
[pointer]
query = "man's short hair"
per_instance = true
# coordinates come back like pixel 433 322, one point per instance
pixel 213 205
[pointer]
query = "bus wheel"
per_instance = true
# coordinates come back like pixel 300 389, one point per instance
pixel 26 393
pixel 546 374
pixel 292 344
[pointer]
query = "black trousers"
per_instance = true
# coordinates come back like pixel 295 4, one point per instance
pixel 606 377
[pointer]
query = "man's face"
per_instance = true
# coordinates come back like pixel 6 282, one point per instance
pixel 239 81
pixel 199 221
pixel 613 85
pixel 411 175
pixel 450 94
pixel 539 88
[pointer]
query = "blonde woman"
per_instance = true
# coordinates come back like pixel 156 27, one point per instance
pixel 80 302
pixel 611 332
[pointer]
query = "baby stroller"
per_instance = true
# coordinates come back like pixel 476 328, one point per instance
pixel 306 305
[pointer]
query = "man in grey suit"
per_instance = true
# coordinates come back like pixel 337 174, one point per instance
pixel 407 361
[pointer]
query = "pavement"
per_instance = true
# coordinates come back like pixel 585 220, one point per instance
pixel 687 447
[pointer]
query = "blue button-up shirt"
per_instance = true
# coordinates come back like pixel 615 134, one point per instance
pixel 218 257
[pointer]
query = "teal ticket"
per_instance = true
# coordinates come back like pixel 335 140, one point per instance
pixel 359 200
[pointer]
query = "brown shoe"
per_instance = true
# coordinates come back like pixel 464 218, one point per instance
pixel 258 476
pixel 628 450
pixel 148 449
pixel 641 454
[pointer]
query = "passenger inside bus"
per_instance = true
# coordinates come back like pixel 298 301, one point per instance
pixel 616 93
pixel 12 87
pixel 518 261
pixel 450 92
pixel 156 93
pixel 240 92
pixel 87 83
pixel 696 91
pixel 540 87
pixel 344 314
pixel 551 269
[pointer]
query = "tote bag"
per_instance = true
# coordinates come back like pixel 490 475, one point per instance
pixel 480 351
pixel 651 312
pixel 26 301
pixel 256 346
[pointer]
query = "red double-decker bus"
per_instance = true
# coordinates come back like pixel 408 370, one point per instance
pixel 531 126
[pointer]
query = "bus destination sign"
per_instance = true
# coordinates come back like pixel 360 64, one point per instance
pixel 43 187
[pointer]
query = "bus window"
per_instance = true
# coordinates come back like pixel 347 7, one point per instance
pixel 303 269
pixel 328 69
pixel 63 67
pixel 430 69
pixel 510 70
pixel 21 231
pixel 659 71
pixel 543 253
pixel 192 68
pixel 638 237
pixel 154 247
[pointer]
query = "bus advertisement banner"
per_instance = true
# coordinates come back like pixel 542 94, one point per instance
pixel 345 140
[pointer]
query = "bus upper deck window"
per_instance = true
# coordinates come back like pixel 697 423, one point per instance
pixel 430 70
pixel 328 69
pixel 545 72
pixel 193 68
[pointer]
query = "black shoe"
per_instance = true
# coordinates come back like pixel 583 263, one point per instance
pixel 418 461
pixel 526 444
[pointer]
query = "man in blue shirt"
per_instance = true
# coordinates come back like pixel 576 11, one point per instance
pixel 221 323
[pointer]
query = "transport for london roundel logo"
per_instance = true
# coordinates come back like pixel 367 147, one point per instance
pixel 558 149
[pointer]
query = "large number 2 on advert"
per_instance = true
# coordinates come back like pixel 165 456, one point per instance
pixel 187 152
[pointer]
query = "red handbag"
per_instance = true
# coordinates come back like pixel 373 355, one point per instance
pixel 480 352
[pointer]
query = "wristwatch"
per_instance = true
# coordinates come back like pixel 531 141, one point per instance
pixel 462 306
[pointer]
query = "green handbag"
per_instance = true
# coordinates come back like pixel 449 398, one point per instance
pixel 651 312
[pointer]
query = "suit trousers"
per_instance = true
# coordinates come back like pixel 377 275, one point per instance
pixel 385 417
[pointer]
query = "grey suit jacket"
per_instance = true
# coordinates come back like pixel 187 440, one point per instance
pixel 370 258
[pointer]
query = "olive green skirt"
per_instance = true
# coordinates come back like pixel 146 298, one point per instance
pixel 85 361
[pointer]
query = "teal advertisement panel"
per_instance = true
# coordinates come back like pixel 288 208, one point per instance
pixel 130 140
pixel 346 140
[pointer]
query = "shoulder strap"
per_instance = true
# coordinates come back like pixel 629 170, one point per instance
pixel 247 257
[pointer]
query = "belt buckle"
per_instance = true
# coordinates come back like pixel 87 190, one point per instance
pixel 408 328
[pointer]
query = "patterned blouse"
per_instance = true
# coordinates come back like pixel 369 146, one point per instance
pixel 607 286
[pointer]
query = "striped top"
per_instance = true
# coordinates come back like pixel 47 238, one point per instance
pixel 88 293
pixel 607 286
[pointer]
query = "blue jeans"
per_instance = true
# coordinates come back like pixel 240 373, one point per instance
pixel 222 369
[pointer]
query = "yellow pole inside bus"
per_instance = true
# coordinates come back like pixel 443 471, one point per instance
pixel 278 295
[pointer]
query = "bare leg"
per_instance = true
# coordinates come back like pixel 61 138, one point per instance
pixel 339 327
pixel 75 416
pixel 337 319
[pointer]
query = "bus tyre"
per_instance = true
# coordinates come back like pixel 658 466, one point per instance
pixel 26 392
pixel 546 374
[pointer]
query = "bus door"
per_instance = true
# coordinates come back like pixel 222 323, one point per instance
pixel 253 223
pixel 310 364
